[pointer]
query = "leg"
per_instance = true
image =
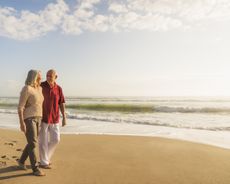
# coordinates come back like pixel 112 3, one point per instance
pixel 54 139
pixel 31 136
pixel 43 144
pixel 24 155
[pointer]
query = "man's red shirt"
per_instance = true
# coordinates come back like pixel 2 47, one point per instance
pixel 53 97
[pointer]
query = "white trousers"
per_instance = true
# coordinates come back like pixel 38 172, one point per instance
pixel 49 137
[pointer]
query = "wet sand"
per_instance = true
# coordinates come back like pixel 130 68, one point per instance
pixel 108 159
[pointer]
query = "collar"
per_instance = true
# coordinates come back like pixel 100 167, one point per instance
pixel 48 85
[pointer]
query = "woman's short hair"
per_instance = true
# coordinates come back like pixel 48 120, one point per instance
pixel 31 78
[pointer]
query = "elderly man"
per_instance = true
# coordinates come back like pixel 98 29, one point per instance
pixel 49 135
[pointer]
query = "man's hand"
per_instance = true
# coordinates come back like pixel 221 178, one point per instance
pixel 64 121
pixel 62 108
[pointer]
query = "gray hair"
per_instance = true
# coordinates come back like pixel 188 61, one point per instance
pixel 31 78
pixel 52 71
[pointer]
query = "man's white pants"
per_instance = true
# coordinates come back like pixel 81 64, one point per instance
pixel 49 137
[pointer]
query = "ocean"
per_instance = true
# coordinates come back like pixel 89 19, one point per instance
pixel 199 119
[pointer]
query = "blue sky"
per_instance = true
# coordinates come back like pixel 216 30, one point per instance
pixel 118 48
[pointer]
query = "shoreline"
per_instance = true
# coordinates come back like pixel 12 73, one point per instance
pixel 137 135
pixel 90 127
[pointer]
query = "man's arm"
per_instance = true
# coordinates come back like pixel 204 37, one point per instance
pixel 62 108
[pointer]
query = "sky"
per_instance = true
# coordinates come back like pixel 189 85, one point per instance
pixel 118 47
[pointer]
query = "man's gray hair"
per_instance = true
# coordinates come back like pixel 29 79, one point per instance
pixel 52 71
pixel 31 79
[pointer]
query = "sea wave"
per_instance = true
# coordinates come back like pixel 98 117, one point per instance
pixel 8 111
pixel 115 118
pixel 146 108
pixel 167 109
pixel 132 108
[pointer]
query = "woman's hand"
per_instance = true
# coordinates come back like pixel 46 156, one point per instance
pixel 23 127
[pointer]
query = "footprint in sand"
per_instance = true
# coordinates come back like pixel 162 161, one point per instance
pixel 2 164
pixel 5 157
pixel 19 149
pixel 15 158
pixel 10 143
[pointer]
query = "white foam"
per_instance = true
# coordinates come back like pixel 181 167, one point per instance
pixel 215 138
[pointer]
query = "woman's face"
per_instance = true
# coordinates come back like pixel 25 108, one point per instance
pixel 39 78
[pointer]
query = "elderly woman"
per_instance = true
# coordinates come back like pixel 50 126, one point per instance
pixel 30 113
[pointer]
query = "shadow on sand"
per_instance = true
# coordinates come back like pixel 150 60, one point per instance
pixel 11 169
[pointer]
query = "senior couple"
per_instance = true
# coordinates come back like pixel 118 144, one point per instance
pixel 38 112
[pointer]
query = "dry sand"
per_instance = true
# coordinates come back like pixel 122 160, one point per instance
pixel 105 159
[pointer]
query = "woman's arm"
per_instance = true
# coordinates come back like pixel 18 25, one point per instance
pixel 21 120
pixel 21 107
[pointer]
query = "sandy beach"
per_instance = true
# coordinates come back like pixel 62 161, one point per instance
pixel 107 159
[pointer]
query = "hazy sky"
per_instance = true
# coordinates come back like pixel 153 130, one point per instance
pixel 118 47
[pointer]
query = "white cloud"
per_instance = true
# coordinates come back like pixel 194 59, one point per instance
pixel 88 4
pixel 26 25
pixel 122 15
pixel 118 8
pixel 71 26
pixel 168 14
pixel 84 18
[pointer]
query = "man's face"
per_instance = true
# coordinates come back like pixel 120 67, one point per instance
pixel 51 77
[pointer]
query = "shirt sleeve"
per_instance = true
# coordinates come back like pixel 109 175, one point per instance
pixel 23 98
pixel 61 96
